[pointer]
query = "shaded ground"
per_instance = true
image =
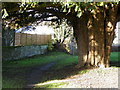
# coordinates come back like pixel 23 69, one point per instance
pixel 58 68
pixel 70 77
pixel 115 63
pixel 36 74
pixel 96 78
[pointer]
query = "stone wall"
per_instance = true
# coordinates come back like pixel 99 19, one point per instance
pixel 13 53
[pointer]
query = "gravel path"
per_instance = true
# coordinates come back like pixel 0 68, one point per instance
pixel 96 78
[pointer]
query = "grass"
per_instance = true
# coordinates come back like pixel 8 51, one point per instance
pixel 12 83
pixel 74 60
pixel 70 60
pixel 14 71
pixel 51 84
pixel 58 71
pixel 115 56
pixel 33 61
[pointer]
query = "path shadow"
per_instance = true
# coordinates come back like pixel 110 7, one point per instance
pixel 63 73
pixel 35 75
pixel 68 71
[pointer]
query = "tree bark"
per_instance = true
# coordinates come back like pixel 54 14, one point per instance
pixel 81 36
pixel 110 23
pixel 94 34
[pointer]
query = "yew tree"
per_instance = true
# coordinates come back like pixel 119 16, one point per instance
pixel 93 24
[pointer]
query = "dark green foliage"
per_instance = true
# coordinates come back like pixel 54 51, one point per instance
pixel 21 15
pixel 50 45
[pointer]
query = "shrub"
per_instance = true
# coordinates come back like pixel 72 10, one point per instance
pixel 50 45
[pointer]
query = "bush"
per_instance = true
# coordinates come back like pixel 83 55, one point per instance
pixel 50 45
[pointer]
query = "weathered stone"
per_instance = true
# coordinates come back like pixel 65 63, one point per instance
pixel 13 53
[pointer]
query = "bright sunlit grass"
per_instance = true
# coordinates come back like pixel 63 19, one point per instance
pixel 33 61
pixel 51 84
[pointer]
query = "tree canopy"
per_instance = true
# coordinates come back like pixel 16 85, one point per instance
pixel 18 14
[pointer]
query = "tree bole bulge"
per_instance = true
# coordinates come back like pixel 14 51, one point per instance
pixel 94 35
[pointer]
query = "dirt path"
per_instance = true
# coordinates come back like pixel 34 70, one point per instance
pixel 35 75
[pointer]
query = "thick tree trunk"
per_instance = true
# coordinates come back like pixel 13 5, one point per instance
pixel 110 23
pixel 81 35
pixel 94 35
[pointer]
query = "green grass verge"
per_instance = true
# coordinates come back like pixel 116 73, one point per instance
pixel 74 60
pixel 33 61
pixel 115 56
pixel 18 68
pixel 70 60
pixel 40 60
pixel 12 83
pixel 52 85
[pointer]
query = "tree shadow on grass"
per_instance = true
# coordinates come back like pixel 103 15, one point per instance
pixel 69 71
pixel 63 73
pixel 114 63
